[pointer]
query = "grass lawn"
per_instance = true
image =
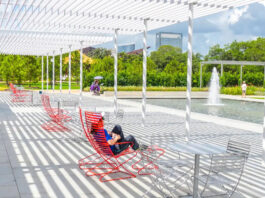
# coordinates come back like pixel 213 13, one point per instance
pixel 37 86
pixel 158 88
pixel 262 98
pixel 251 90
pixel 3 86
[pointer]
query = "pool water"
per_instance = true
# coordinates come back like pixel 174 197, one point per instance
pixel 233 109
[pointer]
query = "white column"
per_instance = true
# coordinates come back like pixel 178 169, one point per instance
pixel 61 66
pixel 241 71
pixel 201 65
pixel 115 73
pixel 53 72
pixel 222 69
pixel 263 139
pixel 264 75
pixel 69 70
pixel 47 72
pixel 81 72
pixel 42 73
pixel 189 72
pixel 144 72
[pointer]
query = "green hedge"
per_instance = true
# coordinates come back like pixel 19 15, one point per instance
pixel 176 79
pixel 156 88
pixel 251 90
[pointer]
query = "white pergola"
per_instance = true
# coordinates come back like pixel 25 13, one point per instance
pixel 49 27
pixel 227 62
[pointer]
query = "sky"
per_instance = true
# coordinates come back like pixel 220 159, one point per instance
pixel 241 24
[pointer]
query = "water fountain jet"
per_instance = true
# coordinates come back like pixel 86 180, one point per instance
pixel 214 91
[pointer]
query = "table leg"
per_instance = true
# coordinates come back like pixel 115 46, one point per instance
pixel 196 175
pixel 59 108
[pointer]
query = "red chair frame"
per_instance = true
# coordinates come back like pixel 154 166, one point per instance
pixel 90 162
pixel 108 162
pixel 19 95
pixel 151 160
pixel 58 117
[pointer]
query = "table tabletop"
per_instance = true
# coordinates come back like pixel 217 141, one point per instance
pixel 197 148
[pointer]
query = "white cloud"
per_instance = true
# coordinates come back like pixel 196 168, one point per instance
pixel 263 3
pixel 236 14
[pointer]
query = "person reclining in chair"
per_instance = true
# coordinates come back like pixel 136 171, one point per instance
pixel 116 136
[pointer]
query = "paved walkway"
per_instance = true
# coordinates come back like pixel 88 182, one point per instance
pixel 36 163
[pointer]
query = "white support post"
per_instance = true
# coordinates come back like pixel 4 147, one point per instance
pixel 263 139
pixel 241 72
pixel 264 75
pixel 115 73
pixel 47 76
pixel 53 71
pixel 81 72
pixel 69 70
pixel 42 73
pixel 222 69
pixel 189 72
pixel 61 72
pixel 144 72
pixel 201 65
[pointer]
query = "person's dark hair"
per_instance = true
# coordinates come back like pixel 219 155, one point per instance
pixel 93 131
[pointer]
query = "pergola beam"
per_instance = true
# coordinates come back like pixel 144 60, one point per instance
pixel 58 24
pixel 57 34
pixel 226 62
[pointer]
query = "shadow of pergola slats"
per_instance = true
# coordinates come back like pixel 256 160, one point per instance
pixel 45 164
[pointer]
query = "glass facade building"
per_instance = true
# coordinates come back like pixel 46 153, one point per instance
pixel 166 38
pixel 126 48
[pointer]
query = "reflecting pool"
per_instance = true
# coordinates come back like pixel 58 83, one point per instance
pixel 233 109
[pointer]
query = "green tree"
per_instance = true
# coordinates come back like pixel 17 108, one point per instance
pixel 99 53
pixel 164 55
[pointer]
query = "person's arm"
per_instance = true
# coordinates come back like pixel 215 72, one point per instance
pixel 92 87
pixel 114 140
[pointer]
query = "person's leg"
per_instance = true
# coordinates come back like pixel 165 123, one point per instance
pixel 122 147
pixel 130 138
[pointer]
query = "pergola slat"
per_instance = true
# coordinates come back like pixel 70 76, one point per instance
pixel 85 17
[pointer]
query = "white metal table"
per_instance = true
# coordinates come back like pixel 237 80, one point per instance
pixel 197 149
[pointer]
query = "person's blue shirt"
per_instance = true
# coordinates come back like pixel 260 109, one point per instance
pixel 108 137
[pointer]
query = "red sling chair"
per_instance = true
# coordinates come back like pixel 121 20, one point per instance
pixel 104 162
pixel 58 116
pixel 19 95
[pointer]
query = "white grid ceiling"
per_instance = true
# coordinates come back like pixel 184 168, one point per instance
pixel 38 27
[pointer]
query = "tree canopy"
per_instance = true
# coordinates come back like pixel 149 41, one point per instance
pixel 165 67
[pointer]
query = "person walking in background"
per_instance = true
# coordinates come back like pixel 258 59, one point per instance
pixel 244 89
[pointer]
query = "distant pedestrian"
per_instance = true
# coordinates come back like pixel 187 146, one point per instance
pixel 95 88
pixel 244 89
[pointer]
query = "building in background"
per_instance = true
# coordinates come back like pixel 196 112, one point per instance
pixel 168 38
pixel 126 48
pixel 137 52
